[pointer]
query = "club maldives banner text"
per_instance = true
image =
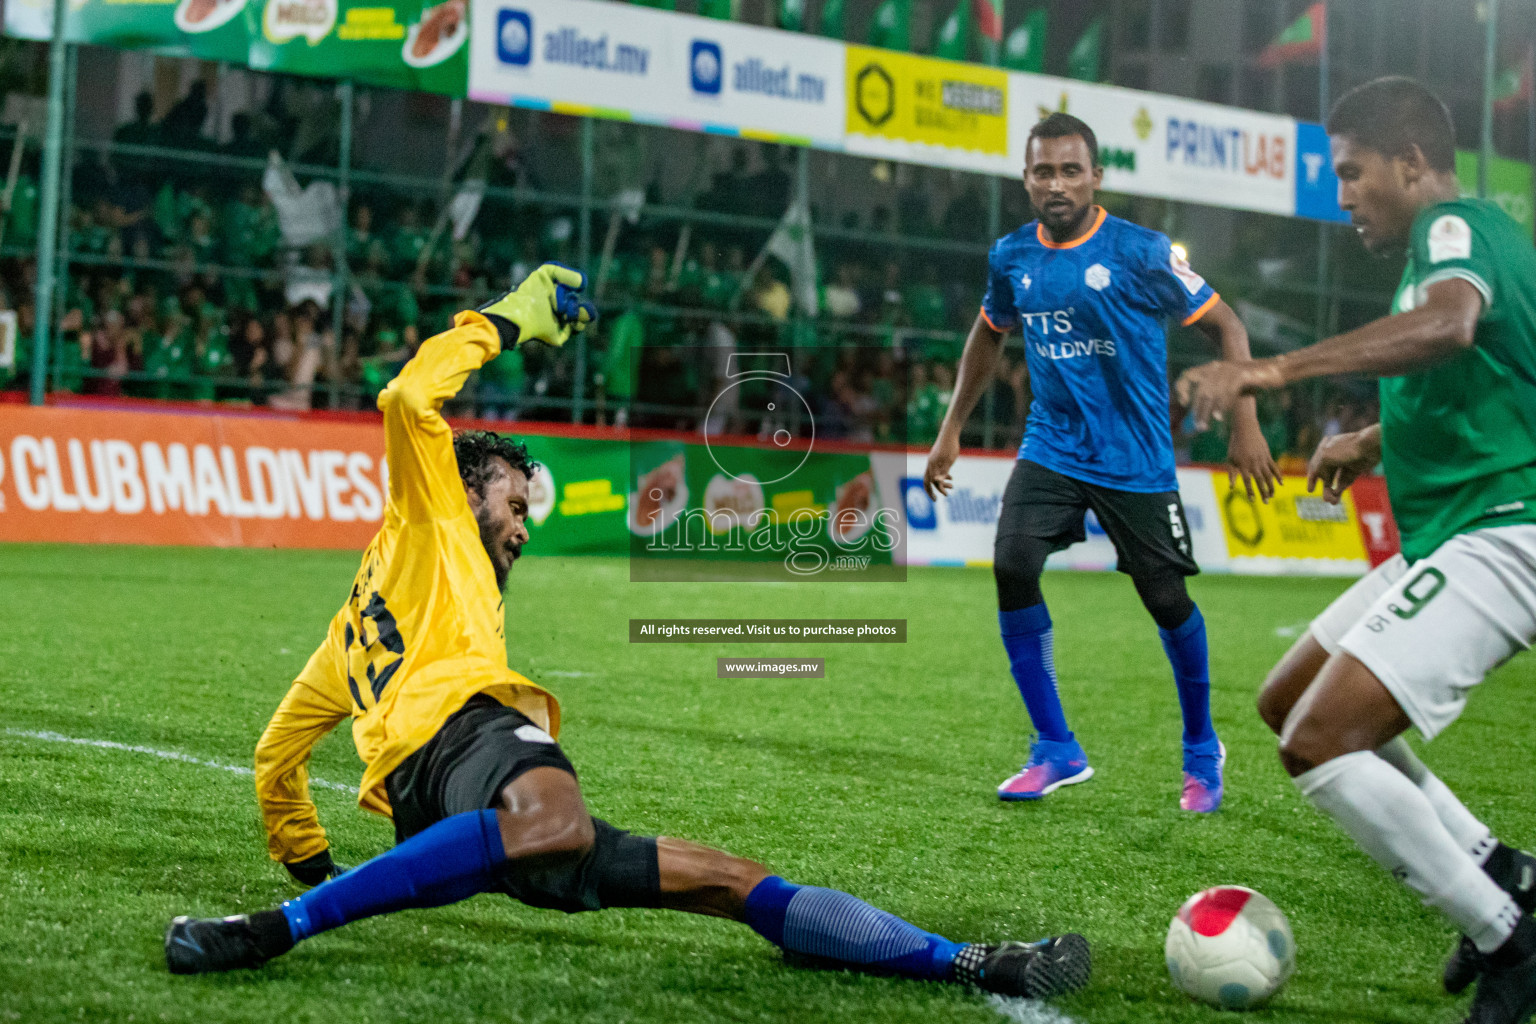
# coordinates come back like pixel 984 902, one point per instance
pixel 109 476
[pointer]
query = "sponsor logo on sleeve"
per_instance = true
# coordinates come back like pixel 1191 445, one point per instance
pixel 1449 239
pixel 1192 281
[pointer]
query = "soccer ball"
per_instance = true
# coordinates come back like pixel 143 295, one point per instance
pixel 1230 947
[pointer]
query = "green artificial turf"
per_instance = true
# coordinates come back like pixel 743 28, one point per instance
pixel 877 779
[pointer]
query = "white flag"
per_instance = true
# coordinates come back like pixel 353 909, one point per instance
pixel 465 205
pixel 304 215
pixel 791 243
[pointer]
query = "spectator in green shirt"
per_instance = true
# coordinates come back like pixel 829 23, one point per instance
pixel 409 240
pixel 70 358
pixel 21 220
pixel 168 357
pixel 360 234
pixel 925 300
pixel 211 358
pixel 250 232
pixel 927 402
pixel 626 335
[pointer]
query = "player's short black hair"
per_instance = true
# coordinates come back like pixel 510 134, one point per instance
pixel 1061 126
pixel 1390 114
pixel 474 450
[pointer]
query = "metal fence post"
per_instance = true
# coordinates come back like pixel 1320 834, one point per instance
pixel 584 258
pixel 341 273
pixel 48 229
pixel 67 176
pixel 1324 247
pixel 1490 74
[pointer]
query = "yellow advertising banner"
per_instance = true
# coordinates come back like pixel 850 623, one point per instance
pixel 1294 525
pixel 905 98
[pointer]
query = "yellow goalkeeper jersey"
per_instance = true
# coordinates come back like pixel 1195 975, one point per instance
pixel 422 630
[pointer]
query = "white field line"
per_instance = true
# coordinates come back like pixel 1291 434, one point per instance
pixel 1028 1011
pixel 1019 1011
pixel 168 755
pixel 1294 630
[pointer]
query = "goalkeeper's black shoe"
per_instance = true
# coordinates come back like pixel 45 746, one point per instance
pixel 1033 970
pixel 197 946
pixel 1515 871
pixel 1506 992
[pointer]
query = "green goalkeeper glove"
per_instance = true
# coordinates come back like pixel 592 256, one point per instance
pixel 545 307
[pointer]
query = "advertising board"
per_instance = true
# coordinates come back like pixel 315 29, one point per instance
pixel 624 62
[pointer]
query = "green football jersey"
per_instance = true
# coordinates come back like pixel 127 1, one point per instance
pixel 1459 438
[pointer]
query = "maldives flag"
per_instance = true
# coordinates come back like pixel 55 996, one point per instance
pixel 989 18
pixel 1304 40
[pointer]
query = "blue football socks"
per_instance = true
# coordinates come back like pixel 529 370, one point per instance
pixel 1031 646
pixel 833 925
pixel 451 861
pixel 1185 647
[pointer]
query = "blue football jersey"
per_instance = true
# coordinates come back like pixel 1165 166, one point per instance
pixel 1092 314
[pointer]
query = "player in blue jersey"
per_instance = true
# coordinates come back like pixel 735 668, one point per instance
pixel 1091 294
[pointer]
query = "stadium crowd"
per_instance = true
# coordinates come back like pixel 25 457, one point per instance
pixel 184 285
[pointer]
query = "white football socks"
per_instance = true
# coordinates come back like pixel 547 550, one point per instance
pixel 1394 822
pixel 1470 834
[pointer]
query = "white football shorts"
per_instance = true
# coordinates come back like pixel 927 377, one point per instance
pixel 1431 631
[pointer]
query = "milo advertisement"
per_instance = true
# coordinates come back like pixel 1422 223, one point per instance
pixel 771 480
pixel 576 499
pixel 405 44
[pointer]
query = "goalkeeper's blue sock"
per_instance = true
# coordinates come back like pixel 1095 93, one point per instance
pixel 1031 645
pixel 1186 650
pixel 836 926
pixel 451 861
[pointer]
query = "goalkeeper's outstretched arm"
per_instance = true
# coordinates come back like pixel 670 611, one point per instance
pixel 418 444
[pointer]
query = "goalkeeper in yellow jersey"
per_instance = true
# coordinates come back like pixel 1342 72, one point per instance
pixel 460 749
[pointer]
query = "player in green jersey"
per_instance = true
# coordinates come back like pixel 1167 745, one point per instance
pixel 1457 441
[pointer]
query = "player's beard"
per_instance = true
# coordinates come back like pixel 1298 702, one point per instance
pixel 1059 221
pixel 489 542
